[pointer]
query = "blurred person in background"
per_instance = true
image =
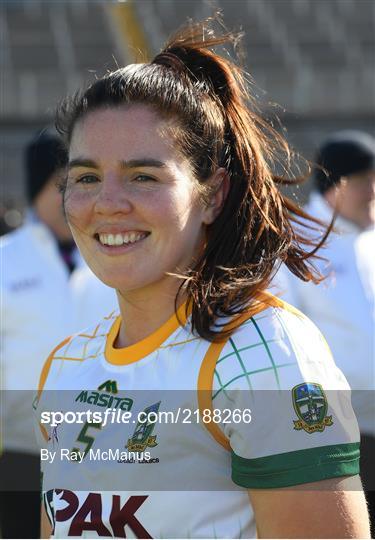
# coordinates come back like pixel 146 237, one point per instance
pixel 342 306
pixel 47 291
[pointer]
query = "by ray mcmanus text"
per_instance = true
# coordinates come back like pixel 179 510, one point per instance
pixel 121 456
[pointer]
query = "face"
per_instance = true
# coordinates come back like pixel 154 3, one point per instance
pixel 356 198
pixel 131 199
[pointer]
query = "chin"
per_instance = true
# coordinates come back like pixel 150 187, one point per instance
pixel 121 284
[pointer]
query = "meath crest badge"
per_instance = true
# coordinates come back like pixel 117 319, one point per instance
pixel 142 436
pixel 310 404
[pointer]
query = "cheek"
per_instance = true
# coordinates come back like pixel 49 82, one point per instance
pixel 185 207
pixel 164 210
pixel 356 197
pixel 77 206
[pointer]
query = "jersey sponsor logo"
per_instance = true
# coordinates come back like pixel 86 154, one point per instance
pixel 105 399
pixel 109 386
pixel 88 516
pixel 142 437
pixel 311 405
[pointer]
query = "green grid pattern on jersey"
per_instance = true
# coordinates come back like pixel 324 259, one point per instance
pixel 244 373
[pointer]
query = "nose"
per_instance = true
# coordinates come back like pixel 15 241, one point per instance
pixel 113 197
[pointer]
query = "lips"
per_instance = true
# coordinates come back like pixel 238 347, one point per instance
pixel 120 239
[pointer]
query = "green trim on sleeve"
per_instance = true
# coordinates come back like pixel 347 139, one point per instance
pixel 298 467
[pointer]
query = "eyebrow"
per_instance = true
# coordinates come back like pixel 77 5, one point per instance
pixel 143 162
pixel 81 162
pixel 131 164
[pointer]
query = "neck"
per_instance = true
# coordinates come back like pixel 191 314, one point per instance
pixel 143 312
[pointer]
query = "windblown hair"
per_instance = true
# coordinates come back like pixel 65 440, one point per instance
pixel 219 126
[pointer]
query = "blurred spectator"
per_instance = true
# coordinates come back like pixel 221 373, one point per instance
pixel 343 305
pixel 47 293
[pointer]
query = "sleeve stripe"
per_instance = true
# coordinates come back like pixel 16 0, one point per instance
pixel 47 366
pixel 298 467
pixel 207 369
pixel 205 383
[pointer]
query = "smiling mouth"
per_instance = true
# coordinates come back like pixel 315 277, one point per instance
pixel 120 239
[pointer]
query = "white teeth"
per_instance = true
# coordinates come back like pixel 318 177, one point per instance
pixel 120 239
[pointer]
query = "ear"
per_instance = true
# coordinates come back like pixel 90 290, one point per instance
pixel 220 182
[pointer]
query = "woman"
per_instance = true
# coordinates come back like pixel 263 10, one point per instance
pixel 172 202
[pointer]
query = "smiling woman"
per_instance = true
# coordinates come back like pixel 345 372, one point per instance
pixel 171 198
pixel 131 201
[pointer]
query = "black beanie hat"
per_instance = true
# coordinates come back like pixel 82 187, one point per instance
pixel 44 155
pixel 342 154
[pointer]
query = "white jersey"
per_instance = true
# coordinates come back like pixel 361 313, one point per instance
pixel 343 305
pixel 265 409
pixel 41 303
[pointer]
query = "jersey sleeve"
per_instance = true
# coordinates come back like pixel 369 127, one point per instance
pixel 44 402
pixel 291 417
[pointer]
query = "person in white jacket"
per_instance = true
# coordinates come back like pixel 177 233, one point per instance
pixel 342 306
pixel 47 292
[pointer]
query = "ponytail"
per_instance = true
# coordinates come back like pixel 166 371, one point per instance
pixel 257 228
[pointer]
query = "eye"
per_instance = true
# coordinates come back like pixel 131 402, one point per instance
pixel 87 179
pixel 144 178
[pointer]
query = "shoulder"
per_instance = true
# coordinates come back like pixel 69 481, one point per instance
pixel 23 261
pixel 68 357
pixel 276 321
pixel 29 240
pixel 318 207
pixel 365 243
pixel 277 348
pixel 278 369
pixel 9 242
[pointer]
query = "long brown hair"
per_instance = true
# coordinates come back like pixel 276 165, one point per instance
pixel 219 126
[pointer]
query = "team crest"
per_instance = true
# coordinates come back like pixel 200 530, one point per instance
pixel 142 437
pixel 310 404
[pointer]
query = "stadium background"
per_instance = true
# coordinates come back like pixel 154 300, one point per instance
pixel 314 58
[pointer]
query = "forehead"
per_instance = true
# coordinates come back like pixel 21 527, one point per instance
pixel 119 131
pixel 363 176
